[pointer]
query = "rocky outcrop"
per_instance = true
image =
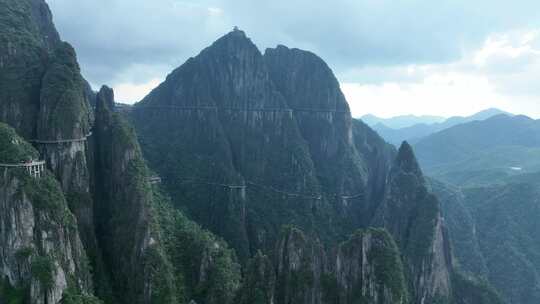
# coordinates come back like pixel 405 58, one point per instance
pixel 367 267
pixel 205 268
pixel 259 281
pixel 300 264
pixel 41 256
pixel 412 215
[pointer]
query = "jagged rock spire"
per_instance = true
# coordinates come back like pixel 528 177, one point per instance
pixel 105 99
pixel 406 160
pixel 412 215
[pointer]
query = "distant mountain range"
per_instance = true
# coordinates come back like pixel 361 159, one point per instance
pixel 402 121
pixel 482 151
pixel 412 128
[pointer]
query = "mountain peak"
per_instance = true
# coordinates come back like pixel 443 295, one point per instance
pixel 297 72
pixel 234 37
pixel 488 113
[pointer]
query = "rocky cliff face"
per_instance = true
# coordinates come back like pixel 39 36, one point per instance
pixel 63 125
pixel 23 58
pixel 42 96
pixel 131 246
pixel 254 142
pixel 43 21
pixel 42 258
pixel 323 117
pixel 45 98
pixel 367 267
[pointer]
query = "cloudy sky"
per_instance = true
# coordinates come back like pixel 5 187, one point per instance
pixel 392 57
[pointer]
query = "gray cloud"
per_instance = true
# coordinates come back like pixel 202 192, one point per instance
pixel 137 40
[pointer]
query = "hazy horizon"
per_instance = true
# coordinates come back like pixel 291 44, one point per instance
pixel 388 61
pixel 443 117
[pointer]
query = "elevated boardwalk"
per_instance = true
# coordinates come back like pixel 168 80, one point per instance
pixel 154 180
pixel 34 168
pixel 214 108
pixel 60 141
pixel 266 188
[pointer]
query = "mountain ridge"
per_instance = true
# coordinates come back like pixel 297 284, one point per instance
pixel 416 132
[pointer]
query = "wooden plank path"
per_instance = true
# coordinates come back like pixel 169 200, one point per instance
pixel 60 141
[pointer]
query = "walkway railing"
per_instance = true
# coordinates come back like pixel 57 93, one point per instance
pixel 311 196
pixel 154 180
pixel 60 141
pixel 34 168
pixel 215 108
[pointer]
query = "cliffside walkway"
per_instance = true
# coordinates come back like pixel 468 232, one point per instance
pixel 214 108
pixel 309 196
pixel 154 180
pixel 34 168
pixel 60 141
